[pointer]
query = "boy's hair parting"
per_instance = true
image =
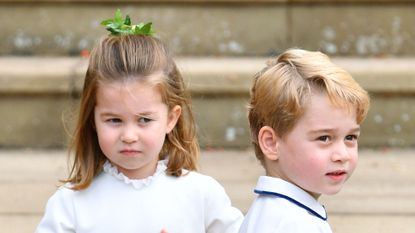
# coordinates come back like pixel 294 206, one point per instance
pixel 121 59
pixel 281 91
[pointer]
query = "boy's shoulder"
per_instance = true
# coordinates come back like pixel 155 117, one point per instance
pixel 273 214
pixel 284 207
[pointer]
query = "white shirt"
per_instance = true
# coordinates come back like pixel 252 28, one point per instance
pixel 114 203
pixel 284 207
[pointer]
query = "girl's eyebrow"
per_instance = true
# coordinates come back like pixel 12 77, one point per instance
pixel 145 113
pixel 107 114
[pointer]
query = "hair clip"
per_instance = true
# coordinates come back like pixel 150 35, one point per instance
pixel 120 26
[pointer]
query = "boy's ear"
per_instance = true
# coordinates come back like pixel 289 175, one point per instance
pixel 173 117
pixel 268 142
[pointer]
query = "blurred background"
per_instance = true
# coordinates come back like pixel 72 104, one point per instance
pixel 219 45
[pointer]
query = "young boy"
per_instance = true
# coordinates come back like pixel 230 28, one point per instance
pixel 305 115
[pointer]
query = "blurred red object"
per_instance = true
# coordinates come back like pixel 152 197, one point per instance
pixel 84 53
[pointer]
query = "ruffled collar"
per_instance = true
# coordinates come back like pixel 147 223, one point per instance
pixel 136 183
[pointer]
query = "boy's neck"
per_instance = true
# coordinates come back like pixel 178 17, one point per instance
pixel 273 171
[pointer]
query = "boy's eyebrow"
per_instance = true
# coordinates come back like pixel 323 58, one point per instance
pixel 353 130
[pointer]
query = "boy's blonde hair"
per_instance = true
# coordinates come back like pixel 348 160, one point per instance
pixel 120 59
pixel 281 91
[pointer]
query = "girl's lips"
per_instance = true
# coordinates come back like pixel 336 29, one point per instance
pixel 129 152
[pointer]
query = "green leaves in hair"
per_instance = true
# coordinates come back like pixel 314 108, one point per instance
pixel 120 26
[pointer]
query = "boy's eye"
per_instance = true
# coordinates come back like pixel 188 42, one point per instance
pixel 324 138
pixel 351 137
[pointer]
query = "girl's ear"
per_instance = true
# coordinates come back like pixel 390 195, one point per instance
pixel 173 117
pixel 268 142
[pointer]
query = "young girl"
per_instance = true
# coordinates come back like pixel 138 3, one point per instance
pixel 135 151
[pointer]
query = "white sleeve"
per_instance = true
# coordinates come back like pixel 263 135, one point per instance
pixel 59 214
pixel 221 216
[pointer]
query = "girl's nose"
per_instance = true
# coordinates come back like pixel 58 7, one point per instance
pixel 129 135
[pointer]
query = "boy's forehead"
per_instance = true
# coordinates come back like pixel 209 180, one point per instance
pixel 334 99
pixel 320 107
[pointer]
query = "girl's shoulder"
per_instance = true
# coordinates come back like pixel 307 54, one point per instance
pixel 64 194
pixel 214 200
pixel 61 201
pixel 194 176
pixel 199 181
pixel 64 191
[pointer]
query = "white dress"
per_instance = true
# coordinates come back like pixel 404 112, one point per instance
pixel 282 207
pixel 114 203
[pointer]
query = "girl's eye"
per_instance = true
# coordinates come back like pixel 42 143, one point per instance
pixel 144 120
pixel 324 138
pixel 113 120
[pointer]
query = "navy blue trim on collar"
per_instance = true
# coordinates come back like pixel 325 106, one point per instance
pixel 293 201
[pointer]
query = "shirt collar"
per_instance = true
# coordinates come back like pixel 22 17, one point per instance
pixel 277 187
pixel 136 183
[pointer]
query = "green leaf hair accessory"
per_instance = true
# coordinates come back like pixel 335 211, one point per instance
pixel 120 26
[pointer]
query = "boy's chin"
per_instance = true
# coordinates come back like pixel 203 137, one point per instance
pixel 332 192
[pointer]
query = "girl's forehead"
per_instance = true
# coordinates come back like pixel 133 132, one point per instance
pixel 133 99
pixel 131 90
pixel 134 81
pixel 125 85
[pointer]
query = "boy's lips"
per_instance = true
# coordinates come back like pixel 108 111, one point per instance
pixel 337 175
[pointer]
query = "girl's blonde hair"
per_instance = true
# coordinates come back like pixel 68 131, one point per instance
pixel 281 91
pixel 120 59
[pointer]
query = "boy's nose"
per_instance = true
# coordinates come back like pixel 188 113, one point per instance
pixel 340 153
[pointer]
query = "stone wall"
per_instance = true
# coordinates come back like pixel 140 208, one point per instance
pixel 38 103
pixel 219 45
pixel 216 27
